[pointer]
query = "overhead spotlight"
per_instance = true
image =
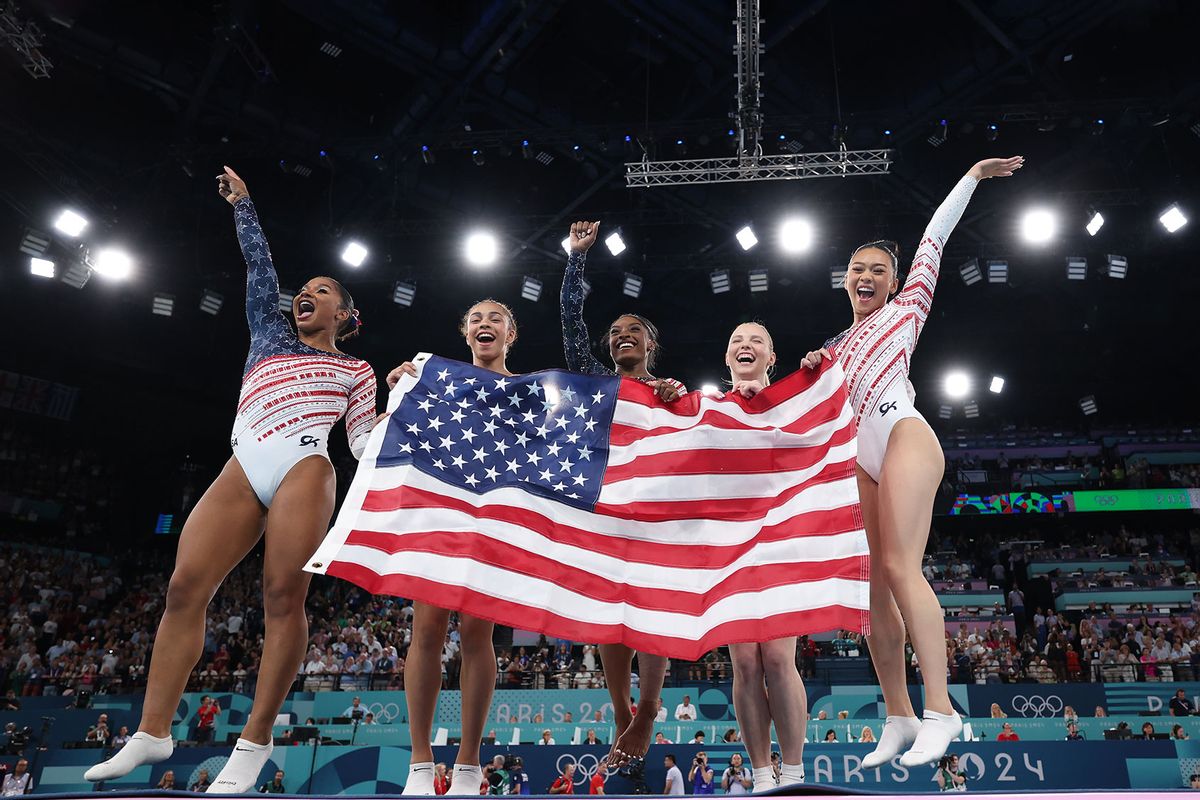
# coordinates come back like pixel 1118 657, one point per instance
pixel 70 223
pixel 330 49
pixel 577 152
pixel 211 302
pixel 77 275
pixel 710 389
pixel 481 249
pixel 957 385
pixel 759 280
pixel 303 170
pixel 1173 219
pixel 1088 405
pixel 1038 226
pixel 614 243
pixel 531 289
pixel 992 132
pixel 379 163
pixel 1116 266
pixel 354 254
pixel 795 235
pixel 1095 223
pixel 997 385
pixel 1076 268
pixel 286 296
pixel 680 147
pixel 971 409
pixel 163 305
pixel 997 271
pixel 970 272
pixel 404 293
pixel 41 267
pixel 887 135
pixel 526 150
pixel 1097 126
pixel 478 157
pixel 34 243
pixel 544 158
pixel 837 277
pixel 323 155
pixel 940 134
pixel 113 263
pixel 746 237
pixel 427 155
pixel 719 280
pixel 945 411
pixel 633 285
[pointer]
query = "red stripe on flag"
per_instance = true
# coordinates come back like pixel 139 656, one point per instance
pixel 484 606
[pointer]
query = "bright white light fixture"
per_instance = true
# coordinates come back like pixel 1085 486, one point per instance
pixel 746 238
pixel 1095 223
pixel 1173 219
pixel 710 389
pixel 354 254
pixel 41 267
pixel 615 244
pixel 481 249
pixel 566 245
pixel 957 385
pixel 70 223
pixel 997 385
pixel 1038 226
pixel 795 235
pixel 113 263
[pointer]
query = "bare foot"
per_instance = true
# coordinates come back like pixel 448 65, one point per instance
pixel 634 740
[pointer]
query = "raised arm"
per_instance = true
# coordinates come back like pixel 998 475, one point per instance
pixel 576 344
pixel 262 284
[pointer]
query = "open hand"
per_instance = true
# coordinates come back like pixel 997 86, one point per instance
pixel 996 167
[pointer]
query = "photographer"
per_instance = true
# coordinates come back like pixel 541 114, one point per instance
pixel 497 778
pixel 701 775
pixel 949 777
pixel 19 782
pixel 736 779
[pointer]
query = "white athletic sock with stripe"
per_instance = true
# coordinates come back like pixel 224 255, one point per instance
pixel 897 735
pixel 240 772
pixel 764 779
pixel 141 749
pixel 937 731
pixel 791 774
pixel 467 779
pixel 420 779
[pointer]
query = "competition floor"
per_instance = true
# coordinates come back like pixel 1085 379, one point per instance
pixel 1121 794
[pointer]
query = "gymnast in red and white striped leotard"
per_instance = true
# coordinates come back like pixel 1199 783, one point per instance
pixel 901 467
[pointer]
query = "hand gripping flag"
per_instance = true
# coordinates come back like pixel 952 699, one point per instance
pixel 585 508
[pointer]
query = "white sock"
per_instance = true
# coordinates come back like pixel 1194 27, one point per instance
pixel 764 779
pixel 790 774
pixel 142 748
pixel 937 731
pixel 420 779
pixel 471 778
pixel 897 736
pixel 240 772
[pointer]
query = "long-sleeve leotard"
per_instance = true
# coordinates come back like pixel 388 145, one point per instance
pixel 876 352
pixel 288 388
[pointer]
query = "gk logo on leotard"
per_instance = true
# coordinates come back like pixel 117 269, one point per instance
pixel 886 407
pixel 305 441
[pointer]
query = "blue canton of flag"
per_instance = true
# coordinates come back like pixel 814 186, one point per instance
pixel 544 432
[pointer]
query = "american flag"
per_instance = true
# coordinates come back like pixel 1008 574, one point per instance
pixel 583 507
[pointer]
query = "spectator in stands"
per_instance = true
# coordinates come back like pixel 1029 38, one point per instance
pixel 1177 732
pixel 674 783
pixel 1147 731
pixel 206 719
pixel 568 718
pixel 1016 605
pixel 685 711
pixel 997 712
pixel 1073 734
pixel 121 739
pixel 201 783
pixel 441 780
pixel 19 782
pixel 1180 705
pixel 660 739
pixel 1007 734
pixel 737 779
pixel 698 738
pixel 1099 712
pixel 732 736
pixel 867 735
pixel 598 717
pixel 1069 715
pixel 167 781
pixel 369 719
pixel 591 737
pixel 565 783
pixel 546 738
pixel 273 786
pixel 356 710
pixel 831 736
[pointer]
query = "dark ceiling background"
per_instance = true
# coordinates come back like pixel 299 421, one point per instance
pixel 147 100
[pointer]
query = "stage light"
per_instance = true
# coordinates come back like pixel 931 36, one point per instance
pixel 971 409
pixel 680 147
pixel 1088 405
pixel 34 243
pixel 997 271
pixel 710 389
pixel 795 235
pixel 566 245
pixel 746 238
pixel 1173 219
pixel 759 280
pixel 43 268
pixel 531 289
pixel 633 285
pixel 614 243
pixel 1095 223
pixel 427 154
pixel 481 249
pixel 992 133
pixel 719 280
pixel 997 385
pixel 354 254
pixel 330 49
pixel 526 150
pixel 163 305
pixel 113 263
pixel 478 157
pixel 957 385
pixel 1097 127
pixel 70 223
pixel 1076 268
pixel 577 152
pixel 286 296
pixel 77 275
pixel 837 277
pixel 970 272
pixel 211 302
pixel 945 411
pixel 1038 226
pixel 1116 266
pixel 404 293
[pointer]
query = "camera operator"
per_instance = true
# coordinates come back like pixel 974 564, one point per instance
pixel 737 779
pixel 701 775
pixel 19 782
pixel 949 777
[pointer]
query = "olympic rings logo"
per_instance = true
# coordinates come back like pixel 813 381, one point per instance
pixel 1037 706
pixel 384 712
pixel 585 766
